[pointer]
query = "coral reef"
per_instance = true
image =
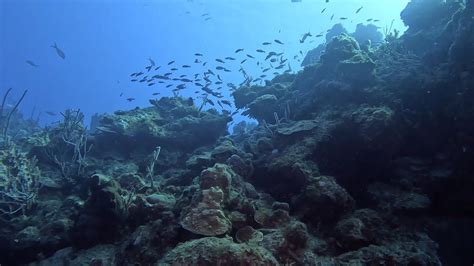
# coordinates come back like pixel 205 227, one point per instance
pixel 362 158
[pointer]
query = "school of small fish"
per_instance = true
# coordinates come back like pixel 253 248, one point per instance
pixel 206 83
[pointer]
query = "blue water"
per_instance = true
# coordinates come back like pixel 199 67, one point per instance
pixel 105 41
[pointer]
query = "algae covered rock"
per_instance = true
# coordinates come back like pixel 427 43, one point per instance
pixel 218 251
pixel 207 217
pixel 323 199
pixel 345 58
pixel 262 107
pixel 103 212
pixel 172 123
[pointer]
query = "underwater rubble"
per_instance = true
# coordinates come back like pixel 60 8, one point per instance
pixel 364 157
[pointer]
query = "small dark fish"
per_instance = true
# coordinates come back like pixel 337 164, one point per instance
pixel 204 64
pixel 263 76
pixel 306 35
pixel 276 73
pixel 182 76
pixel 278 41
pixel 59 51
pixel 230 58
pixel 169 85
pixel 158 67
pixel 50 113
pixel 376 20
pixel 319 35
pixel 31 63
pixel 151 84
pixel 322 11
pixel 270 54
pixel 369 20
pixel 143 80
pixel 279 67
pixel 220 61
pixel 134 80
pixel 239 50
pixel 220 68
pixel 171 62
pixel 167 74
pixel 174 69
pixel 358 10
pixel 139 74
pixel 210 72
pixel 185 66
pixel 343 18
pixel 332 16
pixel 156 93
pixel 273 60
pixel 266 43
pixel 265 70
pixel 198 84
pixel 243 61
pixel 226 70
pixel 152 63
pixel 198 54
pixel 186 80
pixel 205 14
pixel 219 77
pixel 148 68
pixel 121 94
pixel 130 99
pixel 208 18
pixel 226 103
pixel 196 61
pixel 249 56
pixel 133 74
pixel 161 82
pixel 260 51
pixel 218 83
pixel 210 102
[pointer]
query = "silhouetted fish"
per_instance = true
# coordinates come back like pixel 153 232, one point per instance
pixel 260 51
pixel 59 51
pixel 130 99
pixel 152 63
pixel 239 50
pixel 198 54
pixel 249 56
pixel 358 10
pixel 278 41
pixel 220 61
pixel 171 62
pixel 31 63
pixel 322 11
pixel 306 35
pixel 266 43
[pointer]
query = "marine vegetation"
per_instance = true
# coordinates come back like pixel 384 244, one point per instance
pixel 364 157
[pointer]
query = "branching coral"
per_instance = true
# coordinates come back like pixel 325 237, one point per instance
pixel 18 182
pixel 68 147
